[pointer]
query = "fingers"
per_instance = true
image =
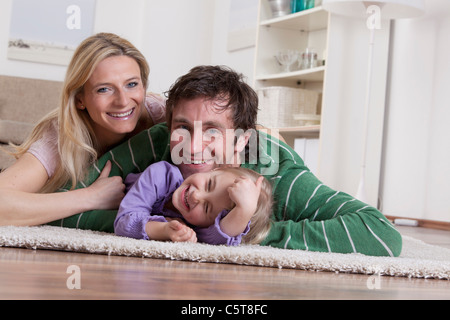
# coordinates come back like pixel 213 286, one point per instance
pixel 106 170
pixel 185 236
pixel 181 232
pixel 192 237
pixel 175 225
pixel 259 183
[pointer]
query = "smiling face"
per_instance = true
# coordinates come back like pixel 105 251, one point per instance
pixel 202 137
pixel 113 96
pixel 203 196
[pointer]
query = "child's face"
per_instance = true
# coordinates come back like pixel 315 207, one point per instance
pixel 202 196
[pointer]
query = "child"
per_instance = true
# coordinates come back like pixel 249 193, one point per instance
pixel 224 206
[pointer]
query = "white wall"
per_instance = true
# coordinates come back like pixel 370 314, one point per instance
pixel 177 36
pixel 342 129
pixel 173 35
pixel 125 19
pixel 240 60
pixel 416 178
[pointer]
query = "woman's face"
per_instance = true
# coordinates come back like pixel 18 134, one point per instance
pixel 113 96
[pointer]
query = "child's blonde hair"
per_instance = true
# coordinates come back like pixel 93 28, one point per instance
pixel 260 222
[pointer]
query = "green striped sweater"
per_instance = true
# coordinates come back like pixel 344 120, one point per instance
pixel 307 214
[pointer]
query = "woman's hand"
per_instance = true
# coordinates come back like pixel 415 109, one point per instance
pixel 21 203
pixel 106 192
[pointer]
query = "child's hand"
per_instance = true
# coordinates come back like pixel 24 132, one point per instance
pixel 179 232
pixel 245 193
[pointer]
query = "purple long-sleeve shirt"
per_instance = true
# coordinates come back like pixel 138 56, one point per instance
pixel 145 201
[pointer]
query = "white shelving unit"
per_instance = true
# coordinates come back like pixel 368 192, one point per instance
pixel 298 31
pixel 343 44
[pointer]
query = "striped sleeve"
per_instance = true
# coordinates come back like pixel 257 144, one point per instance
pixel 308 215
pixel 136 154
pixel 133 156
pixel 311 216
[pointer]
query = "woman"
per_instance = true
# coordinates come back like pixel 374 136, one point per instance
pixel 103 104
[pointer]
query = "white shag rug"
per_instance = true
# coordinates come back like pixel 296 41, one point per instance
pixel 418 259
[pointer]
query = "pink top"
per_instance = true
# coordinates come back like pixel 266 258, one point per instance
pixel 46 148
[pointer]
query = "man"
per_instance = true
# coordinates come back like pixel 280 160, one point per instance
pixel 211 115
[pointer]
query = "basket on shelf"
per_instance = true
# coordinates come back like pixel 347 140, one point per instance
pixel 281 107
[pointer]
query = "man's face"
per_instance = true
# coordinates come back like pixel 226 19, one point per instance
pixel 202 137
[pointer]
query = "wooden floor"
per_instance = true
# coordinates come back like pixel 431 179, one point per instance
pixel 29 274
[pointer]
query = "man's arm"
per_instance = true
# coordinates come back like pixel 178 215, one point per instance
pixel 132 156
pixel 308 215
pixel 311 216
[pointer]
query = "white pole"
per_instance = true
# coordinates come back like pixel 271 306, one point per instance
pixel 361 193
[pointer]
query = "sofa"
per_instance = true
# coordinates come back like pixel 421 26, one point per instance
pixel 23 102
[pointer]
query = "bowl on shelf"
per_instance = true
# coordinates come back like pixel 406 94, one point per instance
pixel 286 58
pixel 280 7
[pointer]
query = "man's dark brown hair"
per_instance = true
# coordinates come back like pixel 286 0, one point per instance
pixel 218 84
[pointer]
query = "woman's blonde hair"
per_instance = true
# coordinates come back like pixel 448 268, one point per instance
pixel 76 140
pixel 260 222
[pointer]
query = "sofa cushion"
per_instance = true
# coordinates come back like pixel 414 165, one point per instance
pixel 23 102
pixel 6 159
pixel 14 131
pixel 27 100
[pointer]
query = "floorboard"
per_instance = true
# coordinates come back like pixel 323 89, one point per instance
pixel 41 274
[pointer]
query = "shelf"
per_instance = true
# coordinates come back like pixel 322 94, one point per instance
pixel 307 20
pixel 305 129
pixel 308 28
pixel 290 134
pixel 314 74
